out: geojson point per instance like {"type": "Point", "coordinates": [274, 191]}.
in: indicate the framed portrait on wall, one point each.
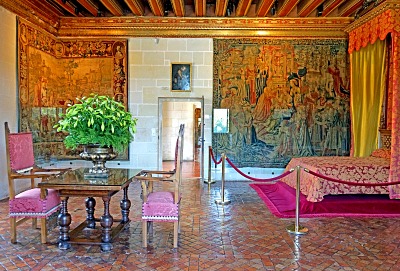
{"type": "Point", "coordinates": [181, 76]}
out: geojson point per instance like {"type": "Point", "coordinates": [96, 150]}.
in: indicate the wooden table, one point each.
{"type": "Point", "coordinates": [73, 183]}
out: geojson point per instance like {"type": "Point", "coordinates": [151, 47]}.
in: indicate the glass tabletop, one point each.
{"type": "Point", "coordinates": [77, 178]}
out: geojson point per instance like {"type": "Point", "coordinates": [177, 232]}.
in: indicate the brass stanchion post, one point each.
{"type": "Point", "coordinates": [296, 228]}
{"type": "Point", "coordinates": [209, 180]}
{"type": "Point", "coordinates": [223, 201]}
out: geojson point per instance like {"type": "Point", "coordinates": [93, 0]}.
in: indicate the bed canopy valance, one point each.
{"type": "Point", "coordinates": [380, 22]}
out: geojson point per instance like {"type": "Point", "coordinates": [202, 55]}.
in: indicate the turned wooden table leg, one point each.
{"type": "Point", "coordinates": [90, 220]}
{"type": "Point", "coordinates": [64, 220]}
{"type": "Point", "coordinates": [106, 222]}
{"type": "Point", "coordinates": [125, 205]}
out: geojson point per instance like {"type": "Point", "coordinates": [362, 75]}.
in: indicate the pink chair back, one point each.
{"type": "Point", "coordinates": [176, 152]}
{"type": "Point", "coordinates": [20, 146]}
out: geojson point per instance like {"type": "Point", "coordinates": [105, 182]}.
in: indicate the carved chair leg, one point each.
{"type": "Point", "coordinates": [43, 230]}
{"type": "Point", "coordinates": [150, 227]}
{"type": "Point", "coordinates": [176, 230]}
{"type": "Point", "coordinates": [144, 233]}
{"type": "Point", "coordinates": [34, 223]}
{"type": "Point", "coordinates": [13, 229]}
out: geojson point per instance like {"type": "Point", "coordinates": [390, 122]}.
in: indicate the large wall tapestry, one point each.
{"type": "Point", "coordinates": [286, 98]}
{"type": "Point", "coordinates": [53, 73]}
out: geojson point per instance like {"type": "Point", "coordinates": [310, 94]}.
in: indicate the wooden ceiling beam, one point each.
{"type": "Point", "coordinates": [287, 7]}
{"type": "Point", "coordinates": [263, 7]}
{"type": "Point", "coordinates": [113, 6]}
{"type": "Point", "coordinates": [90, 6]}
{"type": "Point", "coordinates": [331, 6]}
{"type": "Point", "coordinates": [308, 7]}
{"type": "Point", "coordinates": [45, 8]}
{"type": "Point", "coordinates": [350, 8]}
{"type": "Point", "coordinates": [156, 7]}
{"type": "Point", "coordinates": [67, 6]}
{"type": "Point", "coordinates": [200, 8]}
{"type": "Point", "coordinates": [54, 10]}
{"type": "Point", "coordinates": [243, 7]}
{"type": "Point", "coordinates": [220, 7]}
{"type": "Point", "coordinates": [136, 6]}
{"type": "Point", "coordinates": [179, 7]}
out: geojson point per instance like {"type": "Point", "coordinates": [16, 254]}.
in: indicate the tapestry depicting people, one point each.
{"type": "Point", "coordinates": [54, 73]}
{"type": "Point", "coordinates": [286, 98]}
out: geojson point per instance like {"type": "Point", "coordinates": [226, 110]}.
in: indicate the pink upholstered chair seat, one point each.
{"type": "Point", "coordinates": [160, 206]}
{"type": "Point", "coordinates": [29, 204]}
{"type": "Point", "coordinates": [162, 196]}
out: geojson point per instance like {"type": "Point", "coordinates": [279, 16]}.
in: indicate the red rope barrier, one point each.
{"type": "Point", "coordinates": [347, 182]}
{"type": "Point", "coordinates": [256, 179]}
{"type": "Point", "coordinates": [213, 158]}
{"type": "Point", "coordinates": [305, 169]}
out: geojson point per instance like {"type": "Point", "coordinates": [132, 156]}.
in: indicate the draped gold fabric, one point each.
{"type": "Point", "coordinates": [368, 85]}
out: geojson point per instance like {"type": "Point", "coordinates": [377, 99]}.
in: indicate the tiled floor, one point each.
{"type": "Point", "coordinates": [242, 235]}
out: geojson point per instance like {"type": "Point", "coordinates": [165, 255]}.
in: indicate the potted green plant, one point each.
{"type": "Point", "coordinates": [101, 125]}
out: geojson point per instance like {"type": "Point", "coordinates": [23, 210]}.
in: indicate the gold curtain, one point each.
{"type": "Point", "coordinates": [368, 85]}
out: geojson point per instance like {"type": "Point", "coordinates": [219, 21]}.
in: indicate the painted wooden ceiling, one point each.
{"type": "Point", "coordinates": [204, 8]}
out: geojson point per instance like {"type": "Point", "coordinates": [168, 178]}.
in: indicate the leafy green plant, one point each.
{"type": "Point", "coordinates": [97, 120]}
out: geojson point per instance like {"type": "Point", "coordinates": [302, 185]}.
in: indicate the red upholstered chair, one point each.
{"type": "Point", "coordinates": [162, 206]}
{"type": "Point", "coordinates": [28, 203]}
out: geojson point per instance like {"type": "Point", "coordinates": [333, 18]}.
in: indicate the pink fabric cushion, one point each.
{"type": "Point", "coordinates": [160, 206]}
{"type": "Point", "coordinates": [382, 153]}
{"type": "Point", "coordinates": [20, 146]}
{"type": "Point", "coordinates": [162, 196]}
{"type": "Point", "coordinates": [29, 204]}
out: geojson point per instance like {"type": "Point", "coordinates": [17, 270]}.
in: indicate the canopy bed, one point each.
{"type": "Point", "coordinates": [380, 24]}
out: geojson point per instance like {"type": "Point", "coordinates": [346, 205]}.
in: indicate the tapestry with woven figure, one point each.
{"type": "Point", "coordinates": [286, 98]}
{"type": "Point", "coordinates": [53, 73]}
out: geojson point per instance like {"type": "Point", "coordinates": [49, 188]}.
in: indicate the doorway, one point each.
{"type": "Point", "coordinates": [173, 112]}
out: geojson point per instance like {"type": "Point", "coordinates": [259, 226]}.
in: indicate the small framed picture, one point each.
{"type": "Point", "coordinates": [181, 76]}
{"type": "Point", "coordinates": [221, 121]}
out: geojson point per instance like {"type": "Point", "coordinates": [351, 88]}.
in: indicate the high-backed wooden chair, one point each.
{"type": "Point", "coordinates": [28, 203]}
{"type": "Point", "coordinates": [162, 206]}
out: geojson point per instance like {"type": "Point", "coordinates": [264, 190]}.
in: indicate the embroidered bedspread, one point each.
{"type": "Point", "coordinates": [352, 169]}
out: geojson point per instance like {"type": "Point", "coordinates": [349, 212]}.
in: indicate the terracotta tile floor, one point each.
{"type": "Point", "coordinates": [242, 235]}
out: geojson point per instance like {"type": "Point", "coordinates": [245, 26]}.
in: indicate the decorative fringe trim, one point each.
{"type": "Point", "coordinates": [173, 218]}
{"type": "Point", "coordinates": [36, 215]}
